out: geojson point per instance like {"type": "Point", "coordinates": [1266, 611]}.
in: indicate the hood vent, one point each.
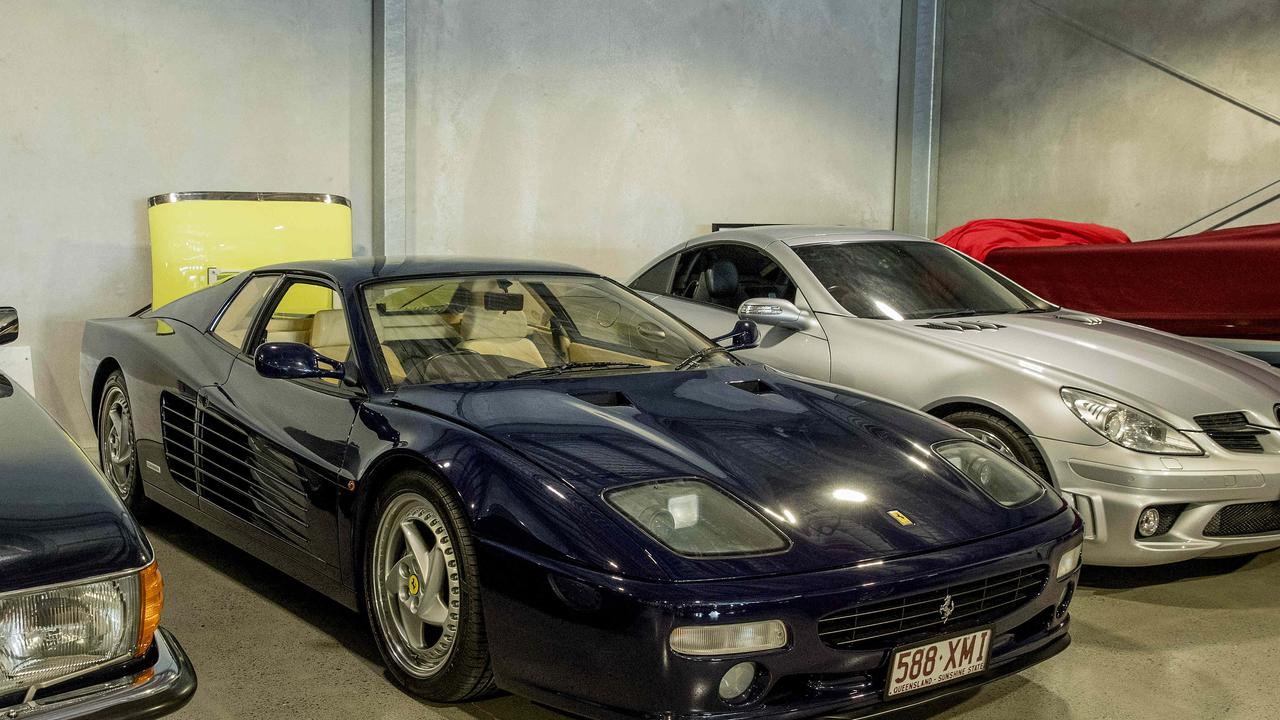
{"type": "Point", "coordinates": [755, 387]}
{"type": "Point", "coordinates": [1232, 431]}
{"type": "Point", "coordinates": [961, 325]}
{"type": "Point", "coordinates": [605, 398]}
{"type": "Point", "coordinates": [1082, 319]}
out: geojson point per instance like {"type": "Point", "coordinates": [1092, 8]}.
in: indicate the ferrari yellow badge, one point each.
{"type": "Point", "coordinates": [902, 519]}
{"type": "Point", "coordinates": [413, 585]}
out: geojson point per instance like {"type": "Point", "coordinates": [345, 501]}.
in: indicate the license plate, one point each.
{"type": "Point", "coordinates": [934, 663]}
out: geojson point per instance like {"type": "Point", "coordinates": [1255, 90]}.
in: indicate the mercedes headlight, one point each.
{"type": "Point", "coordinates": [1128, 426]}
{"type": "Point", "coordinates": [694, 519]}
{"type": "Point", "coordinates": [999, 477]}
{"type": "Point", "coordinates": [50, 634]}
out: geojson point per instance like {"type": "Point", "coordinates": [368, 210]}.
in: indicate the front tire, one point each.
{"type": "Point", "coordinates": [1003, 436]}
{"type": "Point", "coordinates": [117, 447]}
{"type": "Point", "coordinates": [422, 592]}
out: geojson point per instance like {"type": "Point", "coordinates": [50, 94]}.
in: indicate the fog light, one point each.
{"type": "Point", "coordinates": [737, 681]}
{"type": "Point", "coordinates": [729, 639]}
{"type": "Point", "coordinates": [1148, 522]}
{"type": "Point", "coordinates": [1069, 561]}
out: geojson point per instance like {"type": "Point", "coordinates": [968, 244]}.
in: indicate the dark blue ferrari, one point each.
{"type": "Point", "coordinates": [528, 477]}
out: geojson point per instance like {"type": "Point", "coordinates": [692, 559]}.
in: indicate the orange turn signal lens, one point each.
{"type": "Point", "coordinates": [151, 587]}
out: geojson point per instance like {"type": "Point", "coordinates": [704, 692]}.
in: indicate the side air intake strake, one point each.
{"type": "Point", "coordinates": [1232, 431]}
{"type": "Point", "coordinates": [961, 325]}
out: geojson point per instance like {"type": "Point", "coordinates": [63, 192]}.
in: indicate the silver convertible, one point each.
{"type": "Point", "coordinates": [1168, 448]}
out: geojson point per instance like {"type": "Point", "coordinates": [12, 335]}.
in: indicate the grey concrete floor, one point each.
{"type": "Point", "coordinates": [1197, 640]}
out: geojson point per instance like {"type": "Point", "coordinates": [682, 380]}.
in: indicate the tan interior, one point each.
{"type": "Point", "coordinates": [499, 333]}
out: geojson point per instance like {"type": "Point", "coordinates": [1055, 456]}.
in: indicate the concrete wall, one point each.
{"type": "Point", "coordinates": [1039, 118]}
{"type": "Point", "coordinates": [106, 104]}
{"type": "Point", "coordinates": [601, 133]}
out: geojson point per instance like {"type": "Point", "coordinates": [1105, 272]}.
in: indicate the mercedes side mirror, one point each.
{"type": "Point", "coordinates": [775, 312]}
{"type": "Point", "coordinates": [295, 361]}
{"type": "Point", "coordinates": [745, 336]}
{"type": "Point", "coordinates": [8, 325]}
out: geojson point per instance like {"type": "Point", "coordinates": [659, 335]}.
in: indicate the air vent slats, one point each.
{"type": "Point", "coordinates": [1232, 431]}
{"type": "Point", "coordinates": [961, 325]}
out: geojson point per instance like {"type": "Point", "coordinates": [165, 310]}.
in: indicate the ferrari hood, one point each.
{"type": "Point", "coordinates": [1149, 369]}
{"type": "Point", "coordinates": [827, 468]}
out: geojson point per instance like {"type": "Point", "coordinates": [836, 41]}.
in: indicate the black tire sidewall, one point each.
{"type": "Point", "coordinates": [136, 501]}
{"type": "Point", "coordinates": [467, 673]}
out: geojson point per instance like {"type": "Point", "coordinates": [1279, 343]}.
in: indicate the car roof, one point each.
{"type": "Point", "coordinates": [795, 235]}
{"type": "Point", "coordinates": [349, 271]}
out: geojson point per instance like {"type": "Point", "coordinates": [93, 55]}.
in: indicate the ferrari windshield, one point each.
{"type": "Point", "coordinates": [912, 280]}
{"type": "Point", "coordinates": [496, 327]}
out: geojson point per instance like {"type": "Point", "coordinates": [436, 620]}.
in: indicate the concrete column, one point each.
{"type": "Point", "coordinates": [390, 176]}
{"type": "Point", "coordinates": [919, 92]}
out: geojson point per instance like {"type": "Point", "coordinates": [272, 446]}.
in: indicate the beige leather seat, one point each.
{"type": "Point", "coordinates": [288, 329]}
{"type": "Point", "coordinates": [329, 337]}
{"type": "Point", "coordinates": [490, 332]}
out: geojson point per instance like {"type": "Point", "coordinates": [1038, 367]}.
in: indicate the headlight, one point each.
{"type": "Point", "coordinates": [729, 639]}
{"type": "Point", "coordinates": [1070, 560]}
{"type": "Point", "coordinates": [1004, 480]}
{"type": "Point", "coordinates": [695, 519]}
{"type": "Point", "coordinates": [53, 633]}
{"type": "Point", "coordinates": [1128, 426]}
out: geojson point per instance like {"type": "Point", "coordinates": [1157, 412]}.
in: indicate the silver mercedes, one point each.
{"type": "Point", "coordinates": [1168, 448]}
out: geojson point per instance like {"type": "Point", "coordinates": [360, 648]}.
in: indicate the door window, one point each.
{"type": "Point", "coordinates": [726, 275]}
{"type": "Point", "coordinates": [311, 314]}
{"type": "Point", "coordinates": [236, 320]}
{"type": "Point", "coordinates": [657, 279]}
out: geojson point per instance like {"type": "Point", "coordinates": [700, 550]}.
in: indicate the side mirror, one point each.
{"type": "Point", "coordinates": [8, 325]}
{"type": "Point", "coordinates": [775, 312]}
{"type": "Point", "coordinates": [745, 336]}
{"type": "Point", "coordinates": [294, 361]}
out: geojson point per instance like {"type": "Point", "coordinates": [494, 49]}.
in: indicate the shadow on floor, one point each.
{"type": "Point", "coordinates": [1127, 578]}
{"type": "Point", "coordinates": [345, 626]}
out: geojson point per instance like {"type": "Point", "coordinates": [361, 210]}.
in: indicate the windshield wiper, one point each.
{"type": "Point", "coordinates": [952, 313]}
{"type": "Point", "coordinates": [699, 356]}
{"type": "Point", "coordinates": [571, 366]}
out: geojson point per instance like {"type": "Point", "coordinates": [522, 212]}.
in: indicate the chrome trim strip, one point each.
{"type": "Point", "coordinates": [96, 578]}
{"type": "Point", "coordinates": [328, 198]}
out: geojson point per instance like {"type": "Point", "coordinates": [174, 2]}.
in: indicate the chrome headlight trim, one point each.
{"type": "Point", "coordinates": [127, 644]}
{"type": "Point", "coordinates": [1130, 420]}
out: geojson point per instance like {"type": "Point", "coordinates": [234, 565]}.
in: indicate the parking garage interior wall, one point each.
{"type": "Point", "coordinates": [106, 104]}
{"type": "Point", "coordinates": [1156, 118]}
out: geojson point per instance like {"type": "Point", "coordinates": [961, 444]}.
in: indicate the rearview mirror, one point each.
{"type": "Point", "coordinates": [295, 361]}
{"type": "Point", "coordinates": [8, 325]}
{"type": "Point", "coordinates": [745, 336]}
{"type": "Point", "coordinates": [775, 312]}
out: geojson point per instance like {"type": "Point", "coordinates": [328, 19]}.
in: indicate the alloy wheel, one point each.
{"type": "Point", "coordinates": [116, 441]}
{"type": "Point", "coordinates": [416, 585]}
{"type": "Point", "coordinates": [990, 439]}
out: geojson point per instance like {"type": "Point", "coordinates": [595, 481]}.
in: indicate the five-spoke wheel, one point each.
{"type": "Point", "coordinates": [421, 590]}
{"type": "Point", "coordinates": [117, 452]}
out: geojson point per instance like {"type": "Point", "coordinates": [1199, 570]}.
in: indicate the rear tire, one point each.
{"type": "Point", "coordinates": [1003, 436]}
{"type": "Point", "coordinates": [117, 445]}
{"type": "Point", "coordinates": [422, 591]}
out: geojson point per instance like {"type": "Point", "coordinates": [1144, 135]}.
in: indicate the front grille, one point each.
{"type": "Point", "coordinates": [1245, 519]}
{"type": "Point", "coordinates": [1232, 431]}
{"type": "Point", "coordinates": [884, 624]}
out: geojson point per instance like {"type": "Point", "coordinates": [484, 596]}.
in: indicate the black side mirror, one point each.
{"type": "Point", "coordinates": [8, 325]}
{"type": "Point", "coordinates": [745, 336]}
{"type": "Point", "coordinates": [295, 361]}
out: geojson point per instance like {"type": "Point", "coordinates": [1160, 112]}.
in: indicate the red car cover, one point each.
{"type": "Point", "coordinates": [977, 238]}
{"type": "Point", "coordinates": [1222, 284]}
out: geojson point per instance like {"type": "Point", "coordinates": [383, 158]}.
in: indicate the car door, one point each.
{"type": "Point", "coordinates": [705, 285]}
{"type": "Point", "coordinates": [273, 450]}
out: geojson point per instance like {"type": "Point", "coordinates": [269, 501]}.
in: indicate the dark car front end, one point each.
{"type": "Point", "coordinates": [80, 592]}
{"type": "Point", "coordinates": [611, 637]}
{"type": "Point", "coordinates": [889, 546]}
